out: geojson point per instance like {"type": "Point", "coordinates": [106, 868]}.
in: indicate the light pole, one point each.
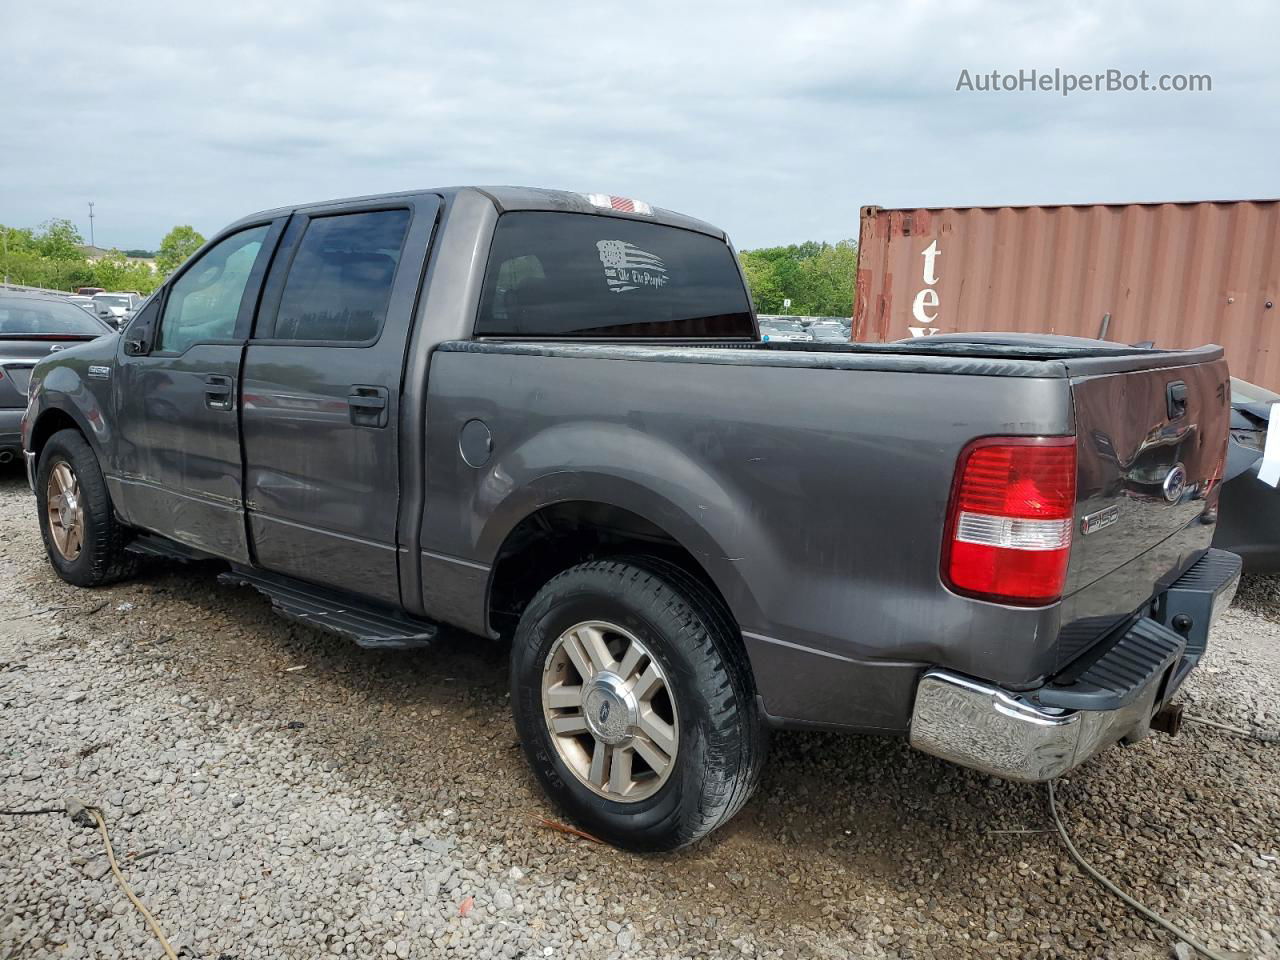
{"type": "Point", "coordinates": [91, 243]}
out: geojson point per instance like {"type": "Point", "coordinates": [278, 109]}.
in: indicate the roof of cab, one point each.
{"type": "Point", "coordinates": [514, 198]}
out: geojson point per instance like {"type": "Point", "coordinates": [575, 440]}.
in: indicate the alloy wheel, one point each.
{"type": "Point", "coordinates": [66, 515]}
{"type": "Point", "coordinates": [610, 711]}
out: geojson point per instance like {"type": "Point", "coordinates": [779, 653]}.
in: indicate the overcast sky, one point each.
{"type": "Point", "coordinates": [776, 121]}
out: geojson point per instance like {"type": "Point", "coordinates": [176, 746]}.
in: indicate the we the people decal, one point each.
{"type": "Point", "coordinates": [627, 267]}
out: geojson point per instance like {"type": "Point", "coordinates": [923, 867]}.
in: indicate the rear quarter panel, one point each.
{"type": "Point", "coordinates": [814, 499]}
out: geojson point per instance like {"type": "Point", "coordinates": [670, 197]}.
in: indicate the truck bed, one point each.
{"type": "Point", "coordinates": [815, 501]}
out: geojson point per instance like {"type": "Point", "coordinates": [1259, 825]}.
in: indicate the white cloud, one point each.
{"type": "Point", "coordinates": [774, 121]}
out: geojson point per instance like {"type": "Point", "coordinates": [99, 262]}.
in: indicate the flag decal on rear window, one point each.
{"type": "Point", "coordinates": [627, 267]}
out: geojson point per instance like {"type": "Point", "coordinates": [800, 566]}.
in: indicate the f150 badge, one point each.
{"type": "Point", "coordinates": [99, 373]}
{"type": "Point", "coordinates": [1093, 522]}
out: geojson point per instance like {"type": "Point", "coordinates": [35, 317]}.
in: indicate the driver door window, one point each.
{"type": "Point", "coordinates": [204, 302]}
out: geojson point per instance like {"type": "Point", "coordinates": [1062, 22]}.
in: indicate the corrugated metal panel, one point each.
{"type": "Point", "coordinates": [1181, 274]}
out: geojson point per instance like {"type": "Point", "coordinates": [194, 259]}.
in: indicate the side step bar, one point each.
{"type": "Point", "coordinates": [155, 546]}
{"type": "Point", "coordinates": [371, 626]}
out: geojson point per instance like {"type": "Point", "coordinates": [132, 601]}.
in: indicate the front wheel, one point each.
{"type": "Point", "coordinates": [634, 703]}
{"type": "Point", "coordinates": [84, 540]}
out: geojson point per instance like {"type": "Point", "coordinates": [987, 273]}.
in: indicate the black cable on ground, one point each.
{"type": "Point", "coordinates": [1150, 914]}
{"type": "Point", "coordinates": [85, 814]}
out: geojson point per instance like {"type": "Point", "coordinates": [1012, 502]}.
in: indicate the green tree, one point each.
{"type": "Point", "coordinates": [818, 278]}
{"type": "Point", "coordinates": [59, 240]}
{"type": "Point", "coordinates": [178, 244]}
{"type": "Point", "coordinates": [115, 271]}
{"type": "Point", "coordinates": [46, 257]}
{"type": "Point", "coordinates": [51, 257]}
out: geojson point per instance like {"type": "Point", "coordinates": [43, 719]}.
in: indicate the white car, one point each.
{"type": "Point", "coordinates": [115, 308]}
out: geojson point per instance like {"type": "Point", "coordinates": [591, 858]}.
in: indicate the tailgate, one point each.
{"type": "Point", "coordinates": [1152, 441]}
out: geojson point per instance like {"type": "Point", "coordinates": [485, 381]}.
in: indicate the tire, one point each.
{"type": "Point", "coordinates": [100, 558]}
{"type": "Point", "coordinates": [689, 638]}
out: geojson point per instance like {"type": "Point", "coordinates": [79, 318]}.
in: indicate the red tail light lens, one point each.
{"type": "Point", "coordinates": [1010, 518]}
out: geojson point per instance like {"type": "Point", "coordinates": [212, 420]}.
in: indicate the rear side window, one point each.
{"type": "Point", "coordinates": [339, 283]}
{"type": "Point", "coordinates": [577, 275]}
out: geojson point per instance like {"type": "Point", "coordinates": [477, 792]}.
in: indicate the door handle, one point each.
{"type": "Point", "coordinates": [368, 406]}
{"type": "Point", "coordinates": [218, 392]}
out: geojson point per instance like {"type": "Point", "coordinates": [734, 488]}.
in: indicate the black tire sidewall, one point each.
{"type": "Point", "coordinates": [653, 823]}
{"type": "Point", "coordinates": [69, 447]}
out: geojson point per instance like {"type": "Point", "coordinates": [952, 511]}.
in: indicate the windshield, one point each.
{"type": "Point", "coordinates": [30, 317]}
{"type": "Point", "coordinates": [114, 300]}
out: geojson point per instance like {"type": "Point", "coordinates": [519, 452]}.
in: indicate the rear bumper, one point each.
{"type": "Point", "coordinates": [1112, 695]}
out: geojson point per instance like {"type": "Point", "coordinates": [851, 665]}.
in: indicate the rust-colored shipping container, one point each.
{"type": "Point", "coordinates": [1180, 274]}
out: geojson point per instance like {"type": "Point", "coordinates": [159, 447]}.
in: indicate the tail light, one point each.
{"type": "Point", "coordinates": [1010, 518]}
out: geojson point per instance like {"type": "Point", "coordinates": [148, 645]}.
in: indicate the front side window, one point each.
{"type": "Point", "coordinates": [339, 283]}
{"type": "Point", "coordinates": [579, 275]}
{"type": "Point", "coordinates": [205, 301]}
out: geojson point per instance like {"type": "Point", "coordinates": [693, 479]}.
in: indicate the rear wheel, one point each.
{"type": "Point", "coordinates": [634, 703]}
{"type": "Point", "coordinates": [82, 537]}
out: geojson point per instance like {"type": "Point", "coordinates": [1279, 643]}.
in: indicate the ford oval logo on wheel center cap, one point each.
{"type": "Point", "coordinates": [1175, 482]}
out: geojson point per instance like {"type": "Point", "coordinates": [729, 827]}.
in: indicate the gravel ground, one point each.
{"type": "Point", "coordinates": [274, 792]}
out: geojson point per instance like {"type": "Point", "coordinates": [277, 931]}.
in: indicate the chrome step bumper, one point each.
{"type": "Point", "coordinates": [984, 727]}
{"type": "Point", "coordinates": [1112, 695]}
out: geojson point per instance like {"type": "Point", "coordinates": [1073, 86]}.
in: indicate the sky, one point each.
{"type": "Point", "coordinates": [774, 121]}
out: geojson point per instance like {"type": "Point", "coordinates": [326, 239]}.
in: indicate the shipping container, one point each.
{"type": "Point", "coordinates": [1178, 274]}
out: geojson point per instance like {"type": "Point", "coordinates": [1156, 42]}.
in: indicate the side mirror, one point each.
{"type": "Point", "coordinates": [136, 346]}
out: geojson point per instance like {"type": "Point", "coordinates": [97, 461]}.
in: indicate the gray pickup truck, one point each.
{"type": "Point", "coordinates": [550, 417]}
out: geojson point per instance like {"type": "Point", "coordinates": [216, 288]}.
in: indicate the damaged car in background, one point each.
{"type": "Point", "coordinates": [1249, 515]}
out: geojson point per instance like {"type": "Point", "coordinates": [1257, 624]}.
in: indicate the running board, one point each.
{"type": "Point", "coordinates": [153, 545]}
{"type": "Point", "coordinates": [371, 626]}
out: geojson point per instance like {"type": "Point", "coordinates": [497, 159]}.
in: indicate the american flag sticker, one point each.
{"type": "Point", "coordinates": [627, 267]}
{"type": "Point", "coordinates": [622, 204]}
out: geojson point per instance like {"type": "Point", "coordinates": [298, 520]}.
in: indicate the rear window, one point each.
{"type": "Point", "coordinates": [22, 317]}
{"type": "Point", "coordinates": [577, 275]}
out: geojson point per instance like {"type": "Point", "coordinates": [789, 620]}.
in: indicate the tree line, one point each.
{"type": "Point", "coordinates": [817, 278]}
{"type": "Point", "coordinates": [52, 256]}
